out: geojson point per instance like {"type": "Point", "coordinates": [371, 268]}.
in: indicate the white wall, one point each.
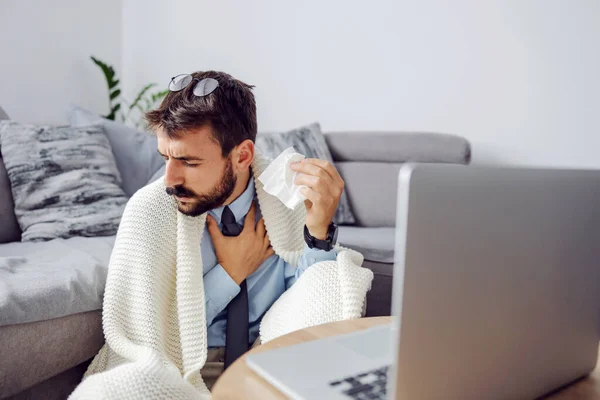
{"type": "Point", "coordinates": [44, 56]}
{"type": "Point", "coordinates": [519, 79]}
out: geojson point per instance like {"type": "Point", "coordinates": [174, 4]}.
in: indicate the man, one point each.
{"type": "Point", "coordinates": [193, 274]}
{"type": "Point", "coordinates": [206, 128]}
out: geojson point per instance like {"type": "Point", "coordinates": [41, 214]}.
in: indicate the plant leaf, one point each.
{"type": "Point", "coordinates": [109, 72]}
{"type": "Point", "coordinates": [141, 94]}
{"type": "Point", "coordinates": [115, 94]}
{"type": "Point", "coordinates": [113, 112]}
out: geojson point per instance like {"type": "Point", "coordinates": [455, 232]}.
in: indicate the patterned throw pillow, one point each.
{"type": "Point", "coordinates": [64, 180]}
{"type": "Point", "coordinates": [307, 140]}
{"type": "Point", "coordinates": [135, 152]}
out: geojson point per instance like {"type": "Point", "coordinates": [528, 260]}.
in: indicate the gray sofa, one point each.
{"type": "Point", "coordinates": [46, 356]}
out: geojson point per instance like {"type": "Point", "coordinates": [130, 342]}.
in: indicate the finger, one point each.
{"type": "Point", "coordinates": [327, 166]}
{"type": "Point", "coordinates": [319, 203]}
{"type": "Point", "coordinates": [311, 195]}
{"type": "Point", "coordinates": [309, 168]}
{"type": "Point", "coordinates": [328, 175]}
{"type": "Point", "coordinates": [266, 241]}
{"type": "Point", "coordinates": [249, 220]}
{"type": "Point", "coordinates": [260, 228]}
{"type": "Point", "coordinates": [321, 185]}
{"type": "Point", "coordinates": [213, 228]}
{"type": "Point", "coordinates": [305, 165]}
{"type": "Point", "coordinates": [337, 188]}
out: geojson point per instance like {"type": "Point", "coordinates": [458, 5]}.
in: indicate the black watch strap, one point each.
{"type": "Point", "coordinates": [326, 244]}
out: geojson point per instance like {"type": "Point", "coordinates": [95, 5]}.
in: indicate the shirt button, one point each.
{"type": "Point", "coordinates": [313, 260]}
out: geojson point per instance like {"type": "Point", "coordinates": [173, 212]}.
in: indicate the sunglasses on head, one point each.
{"type": "Point", "coordinates": [204, 86]}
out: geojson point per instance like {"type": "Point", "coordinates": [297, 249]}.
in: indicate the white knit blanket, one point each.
{"type": "Point", "coordinates": [154, 319]}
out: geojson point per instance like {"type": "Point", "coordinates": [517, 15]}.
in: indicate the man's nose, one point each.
{"type": "Point", "coordinates": [173, 174]}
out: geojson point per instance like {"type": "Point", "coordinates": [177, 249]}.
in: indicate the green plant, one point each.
{"type": "Point", "coordinates": [118, 106]}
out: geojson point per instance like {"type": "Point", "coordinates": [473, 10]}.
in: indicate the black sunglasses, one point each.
{"type": "Point", "coordinates": [204, 86]}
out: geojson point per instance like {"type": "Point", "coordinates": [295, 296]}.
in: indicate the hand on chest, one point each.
{"type": "Point", "coordinates": [232, 237]}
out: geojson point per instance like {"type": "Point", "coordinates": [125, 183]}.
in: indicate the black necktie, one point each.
{"type": "Point", "coordinates": [237, 331]}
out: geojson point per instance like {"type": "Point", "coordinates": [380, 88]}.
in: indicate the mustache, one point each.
{"type": "Point", "coordinates": [180, 191]}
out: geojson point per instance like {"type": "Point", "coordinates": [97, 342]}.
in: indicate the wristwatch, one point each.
{"type": "Point", "coordinates": [327, 244]}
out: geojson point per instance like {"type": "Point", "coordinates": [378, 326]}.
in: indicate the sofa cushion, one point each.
{"type": "Point", "coordinates": [372, 189]}
{"type": "Point", "coordinates": [34, 352]}
{"type": "Point", "coordinates": [45, 280]}
{"type": "Point", "coordinates": [64, 180]}
{"type": "Point", "coordinates": [307, 140]}
{"type": "Point", "coordinates": [375, 244]}
{"type": "Point", "coordinates": [135, 152]}
{"type": "Point", "coordinates": [399, 147]}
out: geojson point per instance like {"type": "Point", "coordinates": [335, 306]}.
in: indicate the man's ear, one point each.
{"type": "Point", "coordinates": [243, 155]}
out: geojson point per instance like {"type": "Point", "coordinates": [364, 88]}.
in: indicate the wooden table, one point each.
{"type": "Point", "coordinates": [240, 382]}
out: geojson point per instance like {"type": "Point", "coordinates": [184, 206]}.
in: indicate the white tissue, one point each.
{"type": "Point", "coordinates": [278, 178]}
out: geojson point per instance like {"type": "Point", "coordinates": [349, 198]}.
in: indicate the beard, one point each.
{"type": "Point", "coordinates": [205, 202]}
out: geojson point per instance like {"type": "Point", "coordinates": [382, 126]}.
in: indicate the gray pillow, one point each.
{"type": "Point", "coordinates": [135, 152]}
{"type": "Point", "coordinates": [64, 180]}
{"type": "Point", "coordinates": [307, 140]}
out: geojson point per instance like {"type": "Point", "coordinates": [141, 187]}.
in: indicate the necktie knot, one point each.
{"type": "Point", "coordinates": [229, 225]}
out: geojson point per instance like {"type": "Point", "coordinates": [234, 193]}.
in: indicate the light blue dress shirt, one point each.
{"type": "Point", "coordinates": [265, 285]}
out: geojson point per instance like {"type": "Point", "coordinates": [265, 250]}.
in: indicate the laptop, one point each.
{"type": "Point", "coordinates": [496, 293]}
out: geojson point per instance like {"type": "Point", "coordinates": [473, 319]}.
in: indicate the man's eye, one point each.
{"type": "Point", "coordinates": [187, 164]}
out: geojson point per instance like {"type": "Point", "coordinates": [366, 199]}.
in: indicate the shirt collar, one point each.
{"type": "Point", "coordinates": [239, 206]}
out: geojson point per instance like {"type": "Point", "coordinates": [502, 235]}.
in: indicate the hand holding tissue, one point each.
{"type": "Point", "coordinates": [278, 178]}
{"type": "Point", "coordinates": [314, 180]}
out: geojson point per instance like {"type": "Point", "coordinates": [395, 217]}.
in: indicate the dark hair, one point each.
{"type": "Point", "coordinates": [230, 111]}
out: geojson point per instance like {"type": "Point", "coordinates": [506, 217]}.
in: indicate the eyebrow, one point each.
{"type": "Point", "coordinates": [184, 158]}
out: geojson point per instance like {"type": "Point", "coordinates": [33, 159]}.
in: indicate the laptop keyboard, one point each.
{"type": "Point", "coordinates": [365, 386]}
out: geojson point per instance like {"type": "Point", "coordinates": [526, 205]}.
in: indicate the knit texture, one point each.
{"type": "Point", "coordinates": [153, 315]}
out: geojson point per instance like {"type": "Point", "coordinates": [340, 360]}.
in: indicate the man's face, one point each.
{"type": "Point", "coordinates": [196, 174]}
